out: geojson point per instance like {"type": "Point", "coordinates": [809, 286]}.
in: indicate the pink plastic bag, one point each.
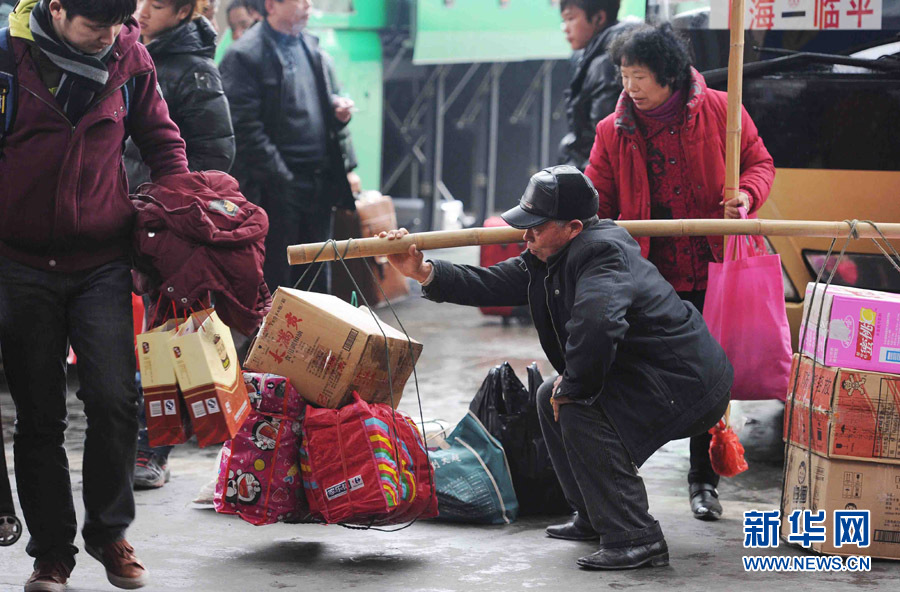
{"type": "Point", "coordinates": [745, 312]}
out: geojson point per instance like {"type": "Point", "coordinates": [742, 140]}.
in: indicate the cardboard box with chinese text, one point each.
{"type": "Point", "coordinates": [857, 329]}
{"type": "Point", "coordinates": [328, 349]}
{"type": "Point", "coordinates": [855, 414]}
{"type": "Point", "coordinates": [846, 486]}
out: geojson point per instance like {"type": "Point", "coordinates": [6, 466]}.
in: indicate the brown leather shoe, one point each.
{"type": "Point", "coordinates": [123, 569]}
{"type": "Point", "coordinates": [48, 576]}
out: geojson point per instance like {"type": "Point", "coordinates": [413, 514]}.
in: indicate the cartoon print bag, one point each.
{"type": "Point", "coordinates": [259, 473]}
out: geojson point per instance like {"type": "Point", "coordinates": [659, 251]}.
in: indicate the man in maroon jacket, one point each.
{"type": "Point", "coordinates": [84, 85]}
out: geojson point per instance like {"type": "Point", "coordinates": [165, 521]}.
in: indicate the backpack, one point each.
{"type": "Point", "coordinates": [9, 88]}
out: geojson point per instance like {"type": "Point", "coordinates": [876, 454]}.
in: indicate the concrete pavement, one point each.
{"type": "Point", "coordinates": [187, 548]}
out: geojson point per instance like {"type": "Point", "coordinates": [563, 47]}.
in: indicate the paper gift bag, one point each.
{"type": "Point", "coordinates": [168, 422]}
{"type": "Point", "coordinates": [209, 375]}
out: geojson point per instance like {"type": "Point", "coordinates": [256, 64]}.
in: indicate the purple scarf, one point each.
{"type": "Point", "coordinates": [669, 111]}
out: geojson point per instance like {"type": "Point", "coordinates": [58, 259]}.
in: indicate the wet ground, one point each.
{"type": "Point", "coordinates": [189, 547]}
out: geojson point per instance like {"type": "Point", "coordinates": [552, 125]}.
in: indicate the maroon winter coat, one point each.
{"type": "Point", "coordinates": [618, 162]}
{"type": "Point", "coordinates": [63, 193]}
{"type": "Point", "coordinates": [206, 238]}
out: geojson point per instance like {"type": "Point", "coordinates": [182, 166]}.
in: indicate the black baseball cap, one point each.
{"type": "Point", "coordinates": [556, 193]}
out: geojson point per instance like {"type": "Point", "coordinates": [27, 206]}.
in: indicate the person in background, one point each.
{"type": "Point", "coordinates": [661, 155]}
{"type": "Point", "coordinates": [208, 9]}
{"type": "Point", "coordinates": [65, 270]}
{"type": "Point", "coordinates": [181, 43]}
{"type": "Point", "coordinates": [287, 119]}
{"type": "Point", "coordinates": [589, 26]}
{"type": "Point", "coordinates": [240, 18]}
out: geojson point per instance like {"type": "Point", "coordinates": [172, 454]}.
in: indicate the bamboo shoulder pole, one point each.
{"type": "Point", "coordinates": [372, 247]}
{"type": "Point", "coordinates": [735, 98]}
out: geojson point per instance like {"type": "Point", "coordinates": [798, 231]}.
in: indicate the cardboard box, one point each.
{"type": "Point", "coordinates": [858, 329]}
{"type": "Point", "coordinates": [845, 485]}
{"type": "Point", "coordinates": [209, 375]}
{"type": "Point", "coordinates": [168, 422]}
{"type": "Point", "coordinates": [328, 349]}
{"type": "Point", "coordinates": [855, 414]}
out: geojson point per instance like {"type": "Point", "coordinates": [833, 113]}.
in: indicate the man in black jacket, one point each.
{"type": "Point", "coordinates": [589, 26]}
{"type": "Point", "coordinates": [287, 119]}
{"type": "Point", "coordinates": [637, 366]}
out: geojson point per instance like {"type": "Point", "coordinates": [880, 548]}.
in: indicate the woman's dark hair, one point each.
{"type": "Point", "coordinates": [105, 12]}
{"type": "Point", "coordinates": [658, 48]}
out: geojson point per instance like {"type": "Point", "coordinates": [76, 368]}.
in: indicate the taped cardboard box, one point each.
{"type": "Point", "coordinates": [855, 414]}
{"type": "Point", "coordinates": [858, 328]}
{"type": "Point", "coordinates": [328, 349]}
{"type": "Point", "coordinates": [209, 375]}
{"type": "Point", "coordinates": [168, 422]}
{"type": "Point", "coordinates": [845, 485]}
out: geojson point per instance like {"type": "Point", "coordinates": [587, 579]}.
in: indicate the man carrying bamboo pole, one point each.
{"type": "Point", "coordinates": [637, 366]}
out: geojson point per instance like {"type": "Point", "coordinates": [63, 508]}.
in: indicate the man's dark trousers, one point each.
{"type": "Point", "coordinates": [40, 314]}
{"type": "Point", "coordinates": [596, 472]}
{"type": "Point", "coordinates": [297, 216]}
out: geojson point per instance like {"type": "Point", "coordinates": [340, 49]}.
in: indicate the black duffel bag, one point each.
{"type": "Point", "coordinates": [509, 412]}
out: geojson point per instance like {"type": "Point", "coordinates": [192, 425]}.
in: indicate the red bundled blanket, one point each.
{"type": "Point", "coordinates": [365, 464]}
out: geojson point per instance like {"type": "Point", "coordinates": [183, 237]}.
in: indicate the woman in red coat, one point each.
{"type": "Point", "coordinates": [661, 155]}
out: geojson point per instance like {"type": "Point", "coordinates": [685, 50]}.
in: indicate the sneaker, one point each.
{"type": "Point", "coordinates": [123, 569]}
{"type": "Point", "coordinates": [150, 471]}
{"type": "Point", "coordinates": [48, 576]}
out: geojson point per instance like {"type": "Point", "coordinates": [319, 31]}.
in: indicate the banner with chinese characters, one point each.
{"type": "Point", "coordinates": [801, 14]}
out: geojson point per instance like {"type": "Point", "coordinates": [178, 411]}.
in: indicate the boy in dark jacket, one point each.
{"type": "Point", "coordinates": [589, 26]}
{"type": "Point", "coordinates": [65, 273]}
{"type": "Point", "coordinates": [182, 45]}
{"type": "Point", "coordinates": [637, 366]}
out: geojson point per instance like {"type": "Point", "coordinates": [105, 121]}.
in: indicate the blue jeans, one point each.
{"type": "Point", "coordinates": [40, 314]}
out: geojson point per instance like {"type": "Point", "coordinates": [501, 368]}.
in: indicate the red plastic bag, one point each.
{"type": "Point", "coordinates": [745, 312]}
{"type": "Point", "coordinates": [726, 452]}
{"type": "Point", "coordinates": [365, 464]}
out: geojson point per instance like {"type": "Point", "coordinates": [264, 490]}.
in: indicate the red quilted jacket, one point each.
{"type": "Point", "coordinates": [618, 162]}
{"type": "Point", "coordinates": [207, 238]}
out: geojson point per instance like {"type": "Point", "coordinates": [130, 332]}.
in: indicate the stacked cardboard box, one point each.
{"type": "Point", "coordinates": [843, 419]}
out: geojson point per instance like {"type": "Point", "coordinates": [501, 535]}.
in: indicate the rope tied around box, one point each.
{"type": "Point", "coordinates": [340, 256]}
{"type": "Point", "coordinates": [891, 254]}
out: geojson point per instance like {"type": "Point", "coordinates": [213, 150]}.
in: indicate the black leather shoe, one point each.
{"type": "Point", "coordinates": [705, 502]}
{"type": "Point", "coordinates": [576, 530]}
{"type": "Point", "coordinates": [655, 555]}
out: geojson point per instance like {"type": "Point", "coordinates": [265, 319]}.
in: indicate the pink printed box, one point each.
{"type": "Point", "coordinates": [859, 329]}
